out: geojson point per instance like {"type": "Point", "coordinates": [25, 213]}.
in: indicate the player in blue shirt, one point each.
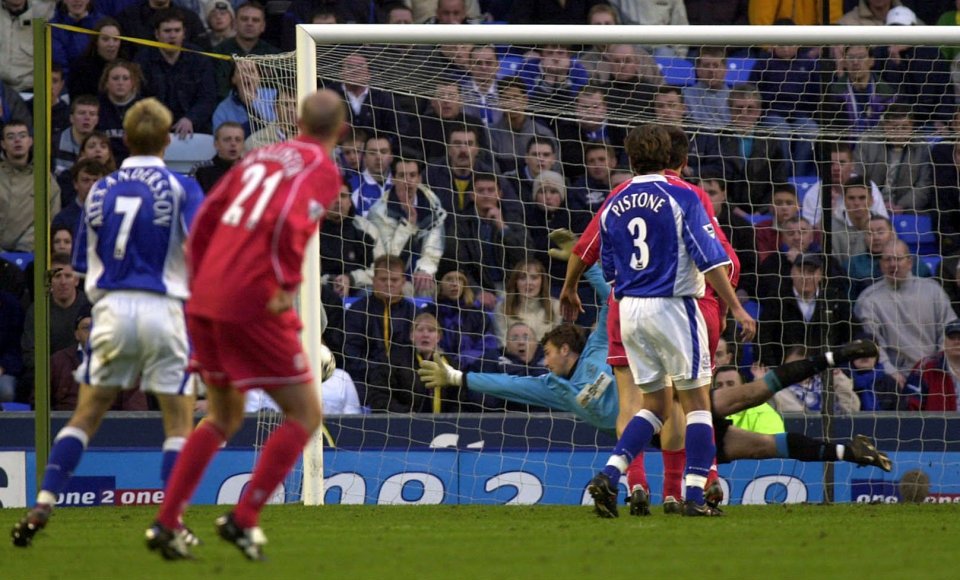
{"type": "Point", "coordinates": [658, 248]}
{"type": "Point", "coordinates": [131, 246]}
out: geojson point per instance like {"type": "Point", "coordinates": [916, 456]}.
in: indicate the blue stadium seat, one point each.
{"type": "Point", "coordinates": [20, 259]}
{"type": "Point", "coordinates": [932, 261]}
{"type": "Point", "coordinates": [803, 185]}
{"type": "Point", "coordinates": [916, 230]}
{"type": "Point", "coordinates": [676, 71]}
{"type": "Point", "coordinates": [11, 406]}
{"type": "Point", "coordinates": [739, 69]}
{"type": "Point", "coordinates": [183, 154]}
{"type": "Point", "coordinates": [510, 65]}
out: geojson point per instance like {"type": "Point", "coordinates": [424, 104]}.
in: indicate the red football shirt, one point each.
{"type": "Point", "coordinates": [250, 234]}
{"type": "Point", "coordinates": [588, 246]}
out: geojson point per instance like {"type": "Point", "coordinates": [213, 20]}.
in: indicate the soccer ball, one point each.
{"type": "Point", "coordinates": [914, 486]}
{"type": "Point", "coordinates": [327, 363]}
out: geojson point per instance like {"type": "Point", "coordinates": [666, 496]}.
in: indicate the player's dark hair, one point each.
{"type": "Point", "coordinates": [679, 147]}
{"type": "Point", "coordinates": [648, 148]}
{"type": "Point", "coordinates": [566, 334]}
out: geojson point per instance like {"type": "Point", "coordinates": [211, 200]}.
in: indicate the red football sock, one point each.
{"type": "Point", "coordinates": [636, 474]}
{"type": "Point", "coordinates": [197, 452]}
{"type": "Point", "coordinates": [674, 463]}
{"type": "Point", "coordinates": [279, 454]}
{"type": "Point", "coordinates": [713, 475]}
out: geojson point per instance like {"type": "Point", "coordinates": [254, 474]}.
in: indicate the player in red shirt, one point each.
{"type": "Point", "coordinates": [585, 253]}
{"type": "Point", "coordinates": [246, 255]}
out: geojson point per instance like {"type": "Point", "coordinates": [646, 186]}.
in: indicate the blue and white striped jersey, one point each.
{"type": "Point", "coordinates": [656, 240]}
{"type": "Point", "coordinates": [134, 227]}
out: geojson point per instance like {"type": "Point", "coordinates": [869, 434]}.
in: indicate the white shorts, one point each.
{"type": "Point", "coordinates": [665, 338]}
{"type": "Point", "coordinates": [137, 335]}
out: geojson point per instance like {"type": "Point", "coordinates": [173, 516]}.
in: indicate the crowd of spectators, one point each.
{"type": "Point", "coordinates": [437, 246]}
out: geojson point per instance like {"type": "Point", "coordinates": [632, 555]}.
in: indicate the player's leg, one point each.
{"type": "Point", "coordinates": [741, 444]}
{"type": "Point", "coordinates": [302, 416]}
{"type": "Point", "coordinates": [674, 458]}
{"type": "Point", "coordinates": [224, 418]}
{"type": "Point", "coordinates": [65, 455]}
{"type": "Point", "coordinates": [631, 401]}
{"type": "Point", "coordinates": [636, 435]}
{"type": "Point", "coordinates": [178, 420]}
{"type": "Point", "coordinates": [734, 399]}
{"type": "Point", "coordinates": [700, 445]}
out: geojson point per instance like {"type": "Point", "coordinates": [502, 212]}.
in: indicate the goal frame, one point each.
{"type": "Point", "coordinates": [309, 36]}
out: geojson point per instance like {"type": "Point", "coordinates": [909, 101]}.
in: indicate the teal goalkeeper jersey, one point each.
{"type": "Point", "coordinates": [590, 392]}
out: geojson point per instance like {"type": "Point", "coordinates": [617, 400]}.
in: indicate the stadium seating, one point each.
{"type": "Point", "coordinates": [20, 259]}
{"type": "Point", "coordinates": [739, 69]}
{"type": "Point", "coordinates": [183, 154]}
{"type": "Point", "coordinates": [916, 230]}
{"type": "Point", "coordinates": [676, 71]}
{"type": "Point", "coordinates": [803, 183]}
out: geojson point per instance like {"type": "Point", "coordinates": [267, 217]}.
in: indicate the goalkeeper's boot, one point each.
{"type": "Point", "coordinates": [172, 544]}
{"type": "Point", "coordinates": [693, 509]}
{"type": "Point", "coordinates": [866, 453]}
{"type": "Point", "coordinates": [249, 541]}
{"type": "Point", "coordinates": [639, 501]}
{"type": "Point", "coordinates": [35, 520]}
{"type": "Point", "coordinates": [671, 506]}
{"type": "Point", "coordinates": [713, 495]}
{"type": "Point", "coordinates": [604, 495]}
{"type": "Point", "coordinates": [854, 350]}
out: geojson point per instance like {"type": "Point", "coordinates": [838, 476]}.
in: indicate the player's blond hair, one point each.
{"type": "Point", "coordinates": [146, 127]}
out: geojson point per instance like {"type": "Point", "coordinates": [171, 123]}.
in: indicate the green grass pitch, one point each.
{"type": "Point", "coordinates": [508, 542]}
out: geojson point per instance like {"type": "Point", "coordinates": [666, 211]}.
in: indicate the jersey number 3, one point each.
{"type": "Point", "coordinates": [255, 179]}
{"type": "Point", "coordinates": [638, 229]}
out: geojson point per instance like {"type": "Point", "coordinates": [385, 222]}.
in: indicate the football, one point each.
{"type": "Point", "coordinates": [914, 486]}
{"type": "Point", "coordinates": [327, 363]}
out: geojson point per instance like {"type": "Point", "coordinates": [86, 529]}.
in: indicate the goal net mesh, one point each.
{"type": "Point", "coordinates": [814, 159]}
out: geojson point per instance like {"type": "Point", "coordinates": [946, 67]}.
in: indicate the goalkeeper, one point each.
{"type": "Point", "coordinates": [581, 382]}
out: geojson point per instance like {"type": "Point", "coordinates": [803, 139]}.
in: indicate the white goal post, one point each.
{"type": "Point", "coordinates": [310, 37]}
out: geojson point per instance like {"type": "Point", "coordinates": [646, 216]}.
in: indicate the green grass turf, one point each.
{"type": "Point", "coordinates": [507, 542]}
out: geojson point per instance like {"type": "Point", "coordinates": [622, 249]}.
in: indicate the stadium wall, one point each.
{"type": "Point", "coordinates": [475, 459]}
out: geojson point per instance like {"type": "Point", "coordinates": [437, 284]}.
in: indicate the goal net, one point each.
{"type": "Point", "coordinates": [829, 156]}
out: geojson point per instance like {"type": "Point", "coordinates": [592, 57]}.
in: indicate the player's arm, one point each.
{"type": "Point", "coordinates": [527, 390]}
{"type": "Point", "coordinates": [702, 246]}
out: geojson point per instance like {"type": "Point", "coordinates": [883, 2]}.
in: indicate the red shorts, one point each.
{"type": "Point", "coordinates": [261, 353]}
{"type": "Point", "coordinates": [617, 356]}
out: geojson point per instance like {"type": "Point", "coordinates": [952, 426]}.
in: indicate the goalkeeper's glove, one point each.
{"type": "Point", "coordinates": [564, 239]}
{"type": "Point", "coordinates": [437, 373]}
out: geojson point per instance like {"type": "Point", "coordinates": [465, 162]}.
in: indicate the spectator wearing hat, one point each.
{"type": "Point", "coordinates": [917, 73]}
{"type": "Point", "coordinates": [932, 386]}
{"type": "Point", "coordinates": [903, 314]}
{"type": "Point", "coordinates": [805, 313]}
{"type": "Point", "coordinates": [221, 24]}
{"type": "Point", "coordinates": [547, 212]}
{"type": "Point", "coordinates": [872, 13]}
